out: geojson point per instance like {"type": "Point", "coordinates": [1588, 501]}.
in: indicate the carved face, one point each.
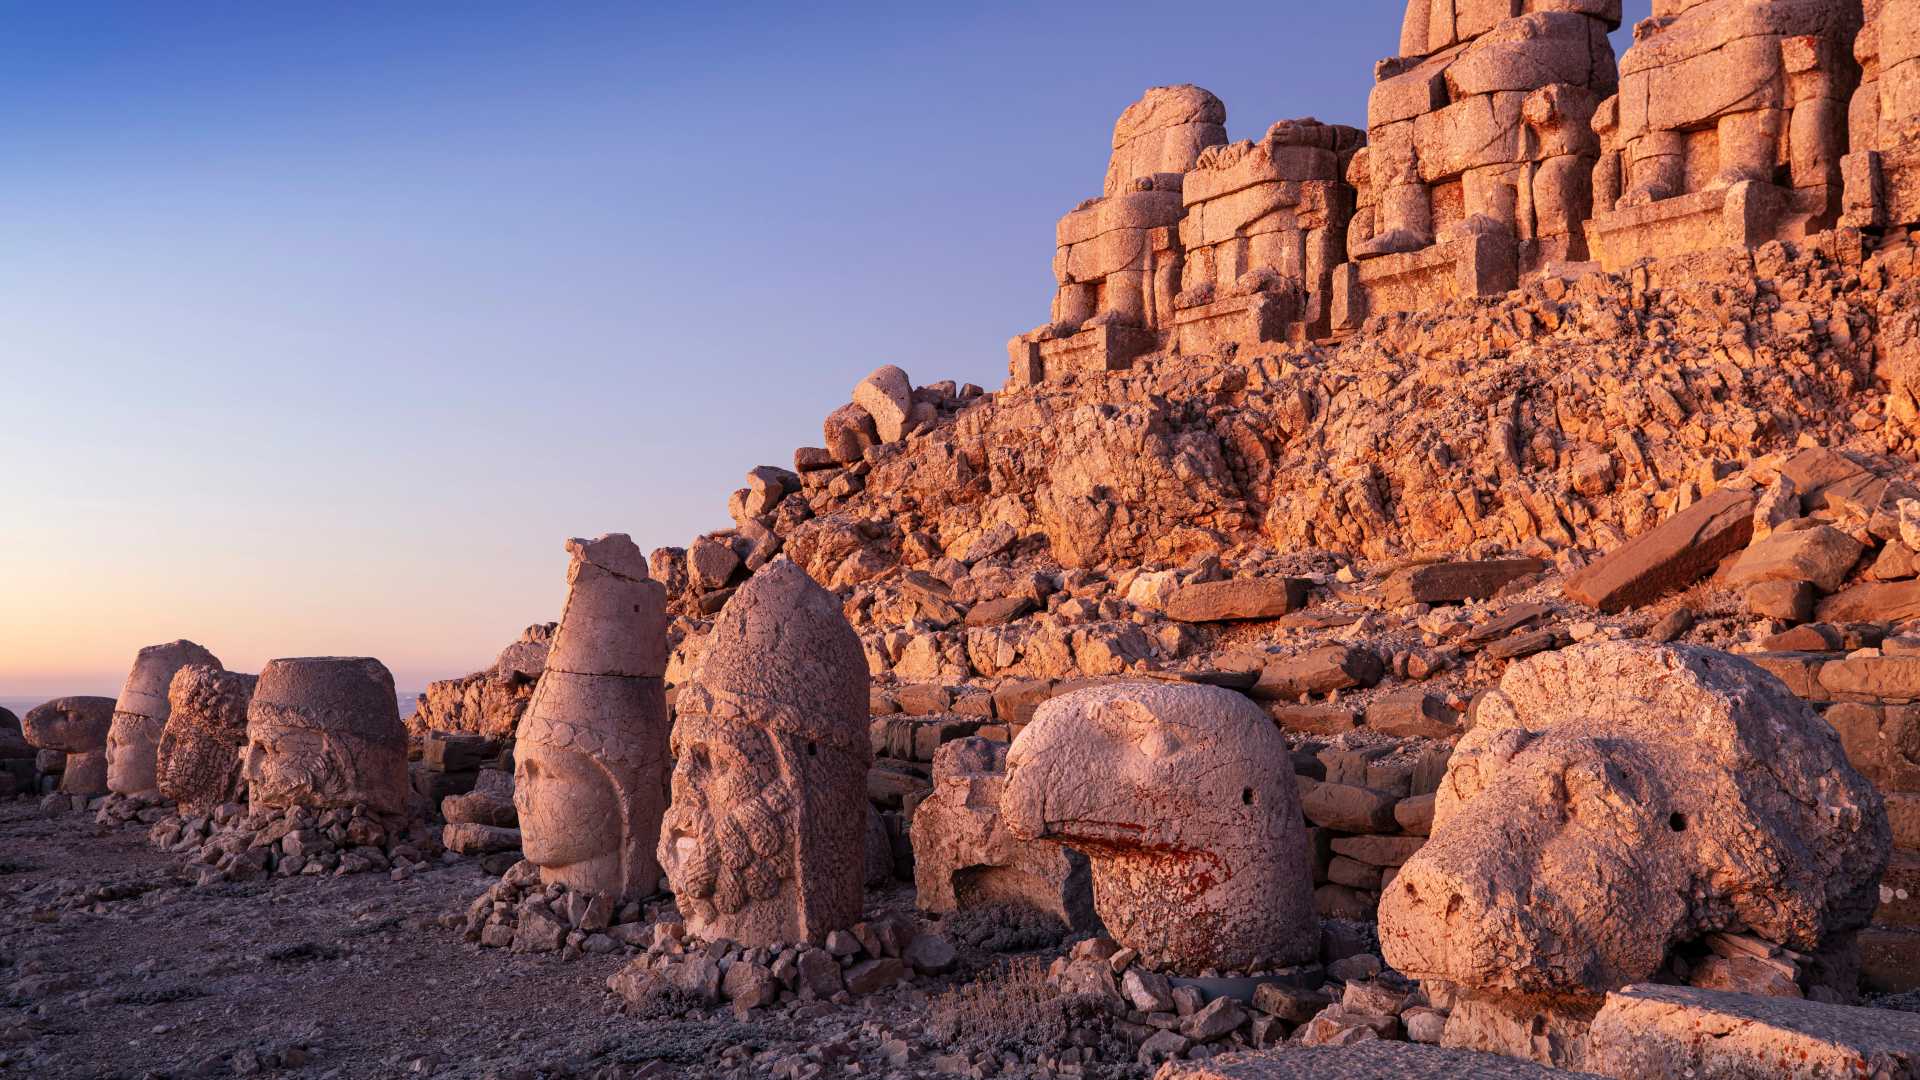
{"type": "Point", "coordinates": [290, 765]}
{"type": "Point", "coordinates": [569, 810]}
{"type": "Point", "coordinates": [726, 837]}
{"type": "Point", "coordinates": [133, 743]}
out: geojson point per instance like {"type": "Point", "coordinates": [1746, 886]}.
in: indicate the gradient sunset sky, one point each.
{"type": "Point", "coordinates": [322, 326]}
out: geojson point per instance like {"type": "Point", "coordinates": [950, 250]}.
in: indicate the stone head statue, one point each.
{"type": "Point", "coordinates": [325, 732]}
{"type": "Point", "coordinates": [133, 741]}
{"type": "Point", "coordinates": [198, 765]}
{"type": "Point", "coordinates": [765, 839]}
{"type": "Point", "coordinates": [590, 756]}
{"type": "Point", "coordinates": [1163, 132]}
{"type": "Point", "coordinates": [77, 726]}
{"type": "Point", "coordinates": [1183, 798]}
{"type": "Point", "coordinates": [1615, 800]}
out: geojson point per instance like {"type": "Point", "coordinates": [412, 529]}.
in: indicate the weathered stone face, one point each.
{"type": "Point", "coordinates": [324, 732]}
{"type": "Point", "coordinates": [140, 715]}
{"type": "Point", "coordinates": [590, 759]}
{"type": "Point", "coordinates": [1184, 799]}
{"type": "Point", "coordinates": [198, 763]}
{"type": "Point", "coordinates": [765, 839]}
{"type": "Point", "coordinates": [1615, 800]}
{"type": "Point", "coordinates": [78, 727]}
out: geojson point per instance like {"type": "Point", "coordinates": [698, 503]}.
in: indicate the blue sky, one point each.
{"type": "Point", "coordinates": [321, 326]}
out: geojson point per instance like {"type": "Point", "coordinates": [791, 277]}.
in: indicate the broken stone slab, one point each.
{"type": "Point", "coordinates": [1788, 601]}
{"type": "Point", "coordinates": [1649, 1032]}
{"type": "Point", "coordinates": [1822, 555]}
{"type": "Point", "coordinates": [1455, 582]}
{"type": "Point", "coordinates": [1379, 850]}
{"type": "Point", "coordinates": [1411, 713]}
{"type": "Point", "coordinates": [1239, 598]}
{"type": "Point", "coordinates": [1346, 808]}
{"type": "Point", "coordinates": [1890, 601]}
{"type": "Point", "coordinates": [1821, 475]}
{"type": "Point", "coordinates": [1671, 555]}
{"type": "Point", "coordinates": [1873, 676]}
{"type": "Point", "coordinates": [1314, 719]}
{"type": "Point", "coordinates": [1318, 671]}
{"type": "Point", "coordinates": [1533, 641]}
{"type": "Point", "coordinates": [995, 612]}
{"type": "Point", "coordinates": [1369, 1059]}
{"type": "Point", "coordinates": [468, 838]}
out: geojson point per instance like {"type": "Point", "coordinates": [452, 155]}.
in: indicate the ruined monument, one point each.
{"type": "Point", "coordinates": [765, 839]}
{"type": "Point", "coordinates": [1728, 129]}
{"type": "Point", "coordinates": [1615, 802]}
{"type": "Point", "coordinates": [1479, 152]}
{"type": "Point", "coordinates": [140, 715]}
{"type": "Point", "coordinates": [1183, 799]}
{"type": "Point", "coordinates": [1264, 226]}
{"type": "Point", "coordinates": [76, 726]}
{"type": "Point", "coordinates": [590, 757]}
{"type": "Point", "coordinates": [1118, 261]}
{"type": "Point", "coordinates": [964, 856]}
{"type": "Point", "coordinates": [198, 763]}
{"type": "Point", "coordinates": [325, 732]}
{"type": "Point", "coordinates": [1882, 171]}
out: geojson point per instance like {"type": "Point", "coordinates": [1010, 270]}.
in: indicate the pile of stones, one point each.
{"type": "Point", "coordinates": [519, 913]}
{"type": "Point", "coordinates": [869, 957]}
{"type": "Point", "coordinates": [113, 810]}
{"type": "Point", "coordinates": [231, 844]}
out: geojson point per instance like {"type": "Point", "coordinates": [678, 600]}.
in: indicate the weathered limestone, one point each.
{"type": "Point", "coordinates": [765, 839]}
{"type": "Point", "coordinates": [1614, 801]}
{"type": "Point", "coordinates": [1728, 129]}
{"type": "Point", "coordinates": [964, 857]}
{"type": "Point", "coordinates": [1479, 152]}
{"type": "Point", "coordinates": [1118, 261]}
{"type": "Point", "coordinates": [198, 765]}
{"type": "Point", "coordinates": [1678, 1032]}
{"type": "Point", "coordinates": [1882, 173]}
{"type": "Point", "coordinates": [139, 717]}
{"type": "Point", "coordinates": [1264, 226]}
{"type": "Point", "coordinates": [1184, 799]}
{"type": "Point", "coordinates": [324, 732]}
{"type": "Point", "coordinates": [590, 755]}
{"type": "Point", "coordinates": [1671, 555]}
{"type": "Point", "coordinates": [76, 726]}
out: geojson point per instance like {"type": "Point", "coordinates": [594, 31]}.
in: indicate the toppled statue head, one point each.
{"type": "Point", "coordinates": [1615, 800]}
{"type": "Point", "coordinates": [199, 756]}
{"type": "Point", "coordinates": [765, 839]}
{"type": "Point", "coordinates": [133, 740]}
{"type": "Point", "coordinates": [1184, 799]}
{"type": "Point", "coordinates": [76, 726]}
{"type": "Point", "coordinates": [324, 732]}
{"type": "Point", "coordinates": [590, 755]}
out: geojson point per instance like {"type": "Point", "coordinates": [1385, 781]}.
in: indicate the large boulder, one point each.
{"type": "Point", "coordinates": [1183, 797]}
{"type": "Point", "coordinates": [1616, 800]}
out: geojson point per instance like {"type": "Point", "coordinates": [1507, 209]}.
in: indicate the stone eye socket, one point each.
{"type": "Point", "coordinates": [1246, 796]}
{"type": "Point", "coordinates": [1677, 821]}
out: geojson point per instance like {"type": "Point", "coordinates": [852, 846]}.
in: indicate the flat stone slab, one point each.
{"type": "Point", "coordinates": [1671, 555]}
{"type": "Point", "coordinates": [1373, 1060]}
{"type": "Point", "coordinates": [1654, 1032]}
{"type": "Point", "coordinates": [1454, 582]}
{"type": "Point", "coordinates": [1240, 598]}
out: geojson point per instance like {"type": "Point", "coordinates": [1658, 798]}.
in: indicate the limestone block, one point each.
{"type": "Point", "coordinates": [765, 838]}
{"type": "Point", "coordinates": [198, 762]}
{"type": "Point", "coordinates": [1671, 555]}
{"type": "Point", "coordinates": [1691, 789]}
{"type": "Point", "coordinates": [964, 857]}
{"type": "Point", "coordinates": [1183, 798]}
{"type": "Point", "coordinates": [76, 726]}
{"type": "Point", "coordinates": [1823, 555]}
{"type": "Point", "coordinates": [140, 715]}
{"type": "Point", "coordinates": [1163, 132]}
{"type": "Point", "coordinates": [324, 732]}
{"type": "Point", "coordinates": [887, 396]}
{"type": "Point", "coordinates": [1670, 1032]}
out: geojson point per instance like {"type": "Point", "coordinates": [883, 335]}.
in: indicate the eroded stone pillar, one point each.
{"type": "Point", "coordinates": [590, 757]}
{"type": "Point", "coordinates": [140, 715]}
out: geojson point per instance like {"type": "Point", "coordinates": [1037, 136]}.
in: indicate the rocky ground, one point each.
{"type": "Point", "coordinates": [114, 965]}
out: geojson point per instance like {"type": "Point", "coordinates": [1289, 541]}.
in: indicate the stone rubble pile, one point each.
{"type": "Point", "coordinates": [866, 958]}
{"type": "Point", "coordinates": [232, 843]}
